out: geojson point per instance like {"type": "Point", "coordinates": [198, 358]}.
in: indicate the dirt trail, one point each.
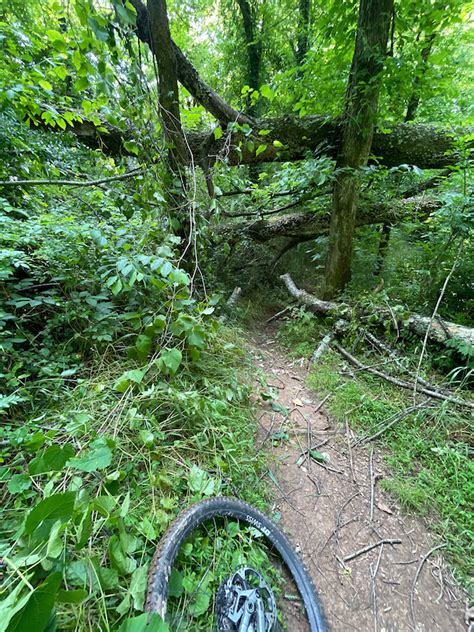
{"type": "Point", "coordinates": [333, 513]}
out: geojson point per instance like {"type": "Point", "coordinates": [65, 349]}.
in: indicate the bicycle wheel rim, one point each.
{"type": "Point", "coordinates": [223, 507]}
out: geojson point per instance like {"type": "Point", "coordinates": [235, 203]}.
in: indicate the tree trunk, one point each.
{"type": "Point", "coordinates": [302, 40]}
{"type": "Point", "coordinates": [420, 72]}
{"type": "Point", "coordinates": [254, 53]}
{"type": "Point", "coordinates": [177, 154]}
{"type": "Point", "coordinates": [305, 226]}
{"type": "Point", "coordinates": [358, 129]}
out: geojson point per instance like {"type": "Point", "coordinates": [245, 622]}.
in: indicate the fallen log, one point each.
{"type": "Point", "coordinates": [308, 225]}
{"type": "Point", "coordinates": [439, 331]}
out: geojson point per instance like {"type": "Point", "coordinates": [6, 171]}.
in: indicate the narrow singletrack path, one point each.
{"type": "Point", "coordinates": [335, 510]}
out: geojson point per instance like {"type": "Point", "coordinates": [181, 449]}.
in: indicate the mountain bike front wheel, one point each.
{"type": "Point", "coordinates": [224, 547]}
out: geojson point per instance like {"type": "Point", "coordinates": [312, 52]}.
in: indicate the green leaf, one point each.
{"type": "Point", "coordinates": [266, 92]}
{"type": "Point", "coordinates": [279, 408]}
{"type": "Point", "coordinates": [175, 584]}
{"type": "Point", "coordinates": [119, 559]}
{"type": "Point", "coordinates": [171, 359]}
{"type": "Point", "coordinates": [199, 481]}
{"type": "Point", "coordinates": [217, 133]}
{"type": "Point", "coordinates": [131, 146]}
{"type": "Point", "coordinates": [55, 543]}
{"type": "Point", "coordinates": [320, 457]}
{"type": "Point", "coordinates": [52, 459]}
{"type": "Point", "coordinates": [19, 483]}
{"type": "Point", "coordinates": [134, 376]}
{"type": "Point", "coordinates": [72, 596]}
{"type": "Point", "coordinates": [97, 457]}
{"type": "Point", "coordinates": [56, 507]}
{"type": "Point", "coordinates": [260, 149]}
{"type": "Point", "coordinates": [37, 611]}
{"type": "Point", "coordinates": [138, 587]}
{"type": "Point", "coordinates": [12, 604]}
{"type": "Point", "coordinates": [146, 622]}
{"type": "Point", "coordinates": [143, 346]}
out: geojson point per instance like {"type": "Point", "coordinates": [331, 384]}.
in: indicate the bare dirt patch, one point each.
{"type": "Point", "coordinates": [335, 510]}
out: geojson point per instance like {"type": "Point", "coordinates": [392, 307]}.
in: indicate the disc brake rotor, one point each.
{"type": "Point", "coordinates": [245, 603]}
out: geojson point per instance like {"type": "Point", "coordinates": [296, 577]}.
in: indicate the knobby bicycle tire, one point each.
{"type": "Point", "coordinates": [188, 520]}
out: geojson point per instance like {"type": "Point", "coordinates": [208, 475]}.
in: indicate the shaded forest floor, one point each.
{"type": "Point", "coordinates": [332, 506]}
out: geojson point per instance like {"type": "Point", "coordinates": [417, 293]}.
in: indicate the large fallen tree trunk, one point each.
{"type": "Point", "coordinates": [421, 145]}
{"type": "Point", "coordinates": [295, 225]}
{"type": "Point", "coordinates": [439, 330]}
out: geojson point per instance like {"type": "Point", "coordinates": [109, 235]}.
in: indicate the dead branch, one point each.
{"type": "Point", "coordinates": [71, 183]}
{"type": "Point", "coordinates": [366, 549]}
{"type": "Point", "coordinates": [400, 383]}
{"type": "Point", "coordinates": [417, 574]}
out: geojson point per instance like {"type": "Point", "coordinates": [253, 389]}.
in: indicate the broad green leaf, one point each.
{"type": "Point", "coordinates": [260, 149]}
{"type": "Point", "coordinates": [134, 376]}
{"type": "Point", "coordinates": [19, 483]}
{"type": "Point", "coordinates": [175, 584]}
{"type": "Point", "coordinates": [56, 507]}
{"type": "Point", "coordinates": [12, 604]}
{"type": "Point", "coordinates": [72, 596]}
{"type": "Point", "coordinates": [138, 587]}
{"type": "Point", "coordinates": [147, 622]}
{"type": "Point", "coordinates": [97, 457]}
{"type": "Point", "coordinates": [52, 459]}
{"type": "Point", "coordinates": [144, 346]}
{"type": "Point", "coordinates": [37, 611]}
{"type": "Point", "coordinates": [55, 542]}
{"type": "Point", "coordinates": [119, 559]}
{"type": "Point", "coordinates": [171, 359]}
{"type": "Point", "coordinates": [217, 133]}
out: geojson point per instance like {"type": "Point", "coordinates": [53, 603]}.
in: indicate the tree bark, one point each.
{"type": "Point", "coordinates": [254, 52]}
{"type": "Point", "coordinates": [358, 129]}
{"type": "Point", "coordinates": [188, 76]}
{"type": "Point", "coordinates": [414, 100]}
{"type": "Point", "coordinates": [177, 153]}
{"type": "Point", "coordinates": [302, 40]}
{"type": "Point", "coordinates": [309, 225]}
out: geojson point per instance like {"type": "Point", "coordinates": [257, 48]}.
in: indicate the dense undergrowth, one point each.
{"type": "Point", "coordinates": [428, 453]}
{"type": "Point", "coordinates": [122, 400]}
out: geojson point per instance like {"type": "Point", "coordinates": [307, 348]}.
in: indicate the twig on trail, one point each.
{"type": "Point", "coordinates": [278, 315]}
{"type": "Point", "coordinates": [328, 467]}
{"type": "Point", "coordinates": [372, 484]}
{"type": "Point", "coordinates": [417, 574]}
{"type": "Point", "coordinates": [366, 549]}
{"type": "Point", "coordinates": [349, 448]}
{"type": "Point", "coordinates": [338, 520]}
{"type": "Point", "coordinates": [321, 348]}
{"type": "Point", "coordinates": [391, 421]}
{"type": "Point", "coordinates": [308, 450]}
{"type": "Point", "coordinates": [373, 575]}
{"type": "Point", "coordinates": [321, 403]}
{"type": "Point", "coordinates": [408, 385]}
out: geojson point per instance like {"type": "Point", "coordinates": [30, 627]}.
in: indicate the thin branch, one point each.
{"type": "Point", "coordinates": [417, 574]}
{"type": "Point", "coordinates": [70, 183]}
{"type": "Point", "coordinates": [366, 549]}
{"type": "Point", "coordinates": [402, 384]}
